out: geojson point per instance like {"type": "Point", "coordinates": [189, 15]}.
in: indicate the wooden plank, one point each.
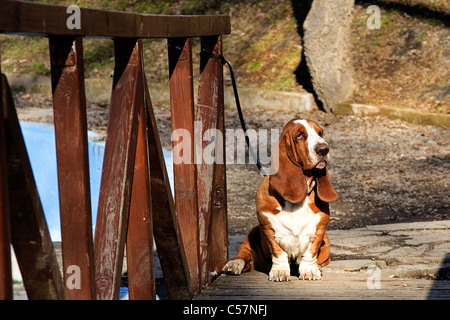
{"type": "Point", "coordinates": [184, 168]}
{"type": "Point", "coordinates": [69, 107]}
{"type": "Point", "coordinates": [218, 234]}
{"type": "Point", "coordinates": [334, 285]}
{"type": "Point", "coordinates": [29, 232]}
{"type": "Point", "coordinates": [118, 165]}
{"type": "Point", "coordinates": [6, 292]}
{"type": "Point", "coordinates": [45, 19]}
{"type": "Point", "coordinates": [210, 95]}
{"type": "Point", "coordinates": [140, 257]}
{"type": "Point", "coordinates": [165, 222]}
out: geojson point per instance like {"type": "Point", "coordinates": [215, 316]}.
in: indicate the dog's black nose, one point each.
{"type": "Point", "coordinates": [322, 149]}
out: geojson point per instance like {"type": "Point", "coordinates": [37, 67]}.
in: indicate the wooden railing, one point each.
{"type": "Point", "coordinates": [135, 201]}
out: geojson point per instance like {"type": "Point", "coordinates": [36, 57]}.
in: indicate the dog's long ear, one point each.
{"type": "Point", "coordinates": [287, 179]}
{"type": "Point", "coordinates": [325, 190]}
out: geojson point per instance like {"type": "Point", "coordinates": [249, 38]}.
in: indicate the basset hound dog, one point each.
{"type": "Point", "coordinates": [292, 208]}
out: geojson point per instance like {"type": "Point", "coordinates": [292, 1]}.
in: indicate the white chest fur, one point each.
{"type": "Point", "coordinates": [294, 228]}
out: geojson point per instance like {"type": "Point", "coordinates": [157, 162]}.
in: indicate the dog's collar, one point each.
{"type": "Point", "coordinates": [311, 186]}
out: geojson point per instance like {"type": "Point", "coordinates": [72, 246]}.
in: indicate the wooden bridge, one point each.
{"type": "Point", "coordinates": [135, 201]}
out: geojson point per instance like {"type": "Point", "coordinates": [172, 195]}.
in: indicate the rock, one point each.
{"type": "Point", "coordinates": [351, 265]}
{"type": "Point", "coordinates": [326, 45]}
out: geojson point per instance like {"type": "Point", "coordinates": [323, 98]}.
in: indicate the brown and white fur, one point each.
{"type": "Point", "coordinates": [292, 208]}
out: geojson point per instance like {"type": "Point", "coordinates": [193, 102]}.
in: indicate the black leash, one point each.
{"type": "Point", "coordinates": [238, 106]}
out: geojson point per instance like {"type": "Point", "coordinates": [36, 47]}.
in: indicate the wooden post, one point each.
{"type": "Point", "coordinates": [29, 232]}
{"type": "Point", "coordinates": [184, 168]}
{"type": "Point", "coordinates": [168, 238]}
{"type": "Point", "coordinates": [140, 257]}
{"type": "Point", "coordinates": [210, 103]}
{"type": "Point", "coordinates": [69, 107]}
{"type": "Point", "coordinates": [118, 165]}
{"type": "Point", "coordinates": [6, 292]}
{"type": "Point", "coordinates": [218, 234]}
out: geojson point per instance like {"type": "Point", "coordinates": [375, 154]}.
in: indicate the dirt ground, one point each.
{"type": "Point", "coordinates": [385, 171]}
{"type": "Point", "coordinates": [404, 64]}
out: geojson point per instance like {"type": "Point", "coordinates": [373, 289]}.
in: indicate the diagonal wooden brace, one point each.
{"type": "Point", "coordinates": [29, 232]}
{"type": "Point", "coordinates": [127, 99]}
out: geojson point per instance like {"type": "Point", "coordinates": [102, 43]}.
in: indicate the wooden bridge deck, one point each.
{"type": "Point", "coordinates": [360, 258]}
{"type": "Point", "coordinates": [334, 285]}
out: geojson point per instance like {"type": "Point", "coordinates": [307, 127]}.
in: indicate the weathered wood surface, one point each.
{"type": "Point", "coordinates": [6, 289]}
{"type": "Point", "coordinates": [29, 232]}
{"type": "Point", "coordinates": [184, 168]}
{"type": "Point", "coordinates": [209, 106]}
{"type": "Point", "coordinates": [140, 257]}
{"type": "Point", "coordinates": [334, 285]}
{"type": "Point", "coordinates": [69, 108]}
{"type": "Point", "coordinates": [44, 19]}
{"type": "Point", "coordinates": [119, 207]}
{"type": "Point", "coordinates": [218, 234]}
{"type": "Point", "coordinates": [127, 99]}
{"type": "Point", "coordinates": [165, 221]}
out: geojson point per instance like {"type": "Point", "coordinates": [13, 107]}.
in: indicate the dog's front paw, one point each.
{"type": "Point", "coordinates": [310, 274]}
{"type": "Point", "coordinates": [309, 271]}
{"type": "Point", "coordinates": [281, 269]}
{"type": "Point", "coordinates": [234, 266]}
{"type": "Point", "coordinates": [279, 275]}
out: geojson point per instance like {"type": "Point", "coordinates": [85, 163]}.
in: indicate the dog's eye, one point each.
{"type": "Point", "coordinates": [320, 134]}
{"type": "Point", "coordinates": [300, 136]}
